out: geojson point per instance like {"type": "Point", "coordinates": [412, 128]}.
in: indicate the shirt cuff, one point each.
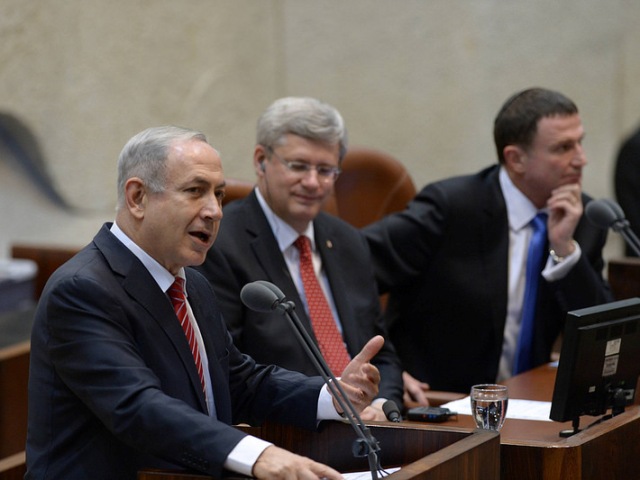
{"type": "Point", "coordinates": [326, 409]}
{"type": "Point", "coordinates": [245, 454]}
{"type": "Point", "coordinates": [555, 271]}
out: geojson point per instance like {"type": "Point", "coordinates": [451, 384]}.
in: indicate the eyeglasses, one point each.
{"type": "Point", "coordinates": [326, 173]}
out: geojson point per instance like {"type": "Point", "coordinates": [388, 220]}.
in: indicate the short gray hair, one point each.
{"type": "Point", "coordinates": [145, 154]}
{"type": "Point", "coordinates": [303, 116]}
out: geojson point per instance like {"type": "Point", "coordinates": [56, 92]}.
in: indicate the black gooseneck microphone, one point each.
{"type": "Point", "coordinates": [263, 296]}
{"type": "Point", "coordinates": [606, 213]}
{"type": "Point", "coordinates": [392, 411]}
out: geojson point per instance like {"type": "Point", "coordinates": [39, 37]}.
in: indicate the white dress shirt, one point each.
{"type": "Point", "coordinates": [520, 212]}
{"type": "Point", "coordinates": [286, 236]}
{"type": "Point", "coordinates": [244, 455]}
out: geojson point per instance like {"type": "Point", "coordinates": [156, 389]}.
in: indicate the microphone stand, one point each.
{"type": "Point", "coordinates": [620, 223]}
{"type": "Point", "coordinates": [622, 226]}
{"type": "Point", "coordinates": [366, 445]}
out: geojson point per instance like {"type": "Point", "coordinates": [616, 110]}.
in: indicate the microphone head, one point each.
{"type": "Point", "coordinates": [391, 411]}
{"type": "Point", "coordinates": [615, 207]}
{"type": "Point", "coordinates": [601, 213]}
{"type": "Point", "coordinates": [271, 287]}
{"type": "Point", "coordinates": [261, 296]}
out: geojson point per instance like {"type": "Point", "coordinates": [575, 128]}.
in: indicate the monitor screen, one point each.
{"type": "Point", "coordinates": [599, 361]}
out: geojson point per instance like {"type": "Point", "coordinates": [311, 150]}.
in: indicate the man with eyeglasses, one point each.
{"type": "Point", "coordinates": [300, 145]}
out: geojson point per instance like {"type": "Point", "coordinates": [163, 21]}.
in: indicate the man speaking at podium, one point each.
{"type": "Point", "coordinates": [131, 363]}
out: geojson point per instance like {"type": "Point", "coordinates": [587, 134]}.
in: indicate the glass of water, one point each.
{"type": "Point", "coordinates": [489, 405]}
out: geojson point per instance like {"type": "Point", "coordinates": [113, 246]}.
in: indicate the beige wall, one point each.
{"type": "Point", "coordinates": [421, 79]}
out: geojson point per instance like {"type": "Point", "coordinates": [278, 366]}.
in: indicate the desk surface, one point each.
{"type": "Point", "coordinates": [537, 384]}
{"type": "Point", "coordinates": [534, 450]}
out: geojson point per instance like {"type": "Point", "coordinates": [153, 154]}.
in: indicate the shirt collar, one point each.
{"type": "Point", "coordinates": [284, 233]}
{"type": "Point", "coordinates": [520, 210]}
{"type": "Point", "coordinates": [163, 277]}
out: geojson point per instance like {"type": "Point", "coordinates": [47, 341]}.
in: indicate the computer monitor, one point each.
{"type": "Point", "coordinates": [599, 362]}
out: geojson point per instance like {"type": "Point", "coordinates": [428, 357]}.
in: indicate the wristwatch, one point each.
{"type": "Point", "coordinates": [555, 257]}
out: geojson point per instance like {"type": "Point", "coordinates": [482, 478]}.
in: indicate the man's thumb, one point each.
{"type": "Point", "coordinates": [370, 350]}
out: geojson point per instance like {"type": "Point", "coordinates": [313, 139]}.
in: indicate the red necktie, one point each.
{"type": "Point", "coordinates": [324, 325]}
{"type": "Point", "coordinates": [176, 294]}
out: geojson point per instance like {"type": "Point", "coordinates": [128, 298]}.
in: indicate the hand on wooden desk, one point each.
{"type": "Point", "coordinates": [415, 391]}
{"type": "Point", "coordinates": [419, 394]}
{"type": "Point", "coordinates": [276, 463]}
{"type": "Point", "coordinates": [373, 413]}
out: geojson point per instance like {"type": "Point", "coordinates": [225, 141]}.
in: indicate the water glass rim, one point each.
{"type": "Point", "coordinates": [489, 387]}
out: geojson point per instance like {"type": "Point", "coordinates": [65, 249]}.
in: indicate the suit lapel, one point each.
{"type": "Point", "coordinates": [495, 244]}
{"type": "Point", "coordinates": [143, 289]}
{"type": "Point", "coordinates": [263, 244]}
{"type": "Point", "coordinates": [329, 248]}
{"type": "Point", "coordinates": [207, 315]}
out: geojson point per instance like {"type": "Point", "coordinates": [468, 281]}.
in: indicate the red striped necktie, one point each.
{"type": "Point", "coordinates": [179, 301]}
{"type": "Point", "coordinates": [324, 325]}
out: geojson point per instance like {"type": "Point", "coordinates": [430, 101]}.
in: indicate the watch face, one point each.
{"type": "Point", "coordinates": [555, 257]}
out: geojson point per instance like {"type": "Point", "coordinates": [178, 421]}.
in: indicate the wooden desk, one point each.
{"type": "Point", "coordinates": [13, 467]}
{"type": "Point", "coordinates": [425, 453]}
{"type": "Point", "coordinates": [624, 277]}
{"type": "Point", "coordinates": [534, 450]}
{"type": "Point", "coordinates": [47, 257]}
{"type": "Point", "coordinates": [14, 376]}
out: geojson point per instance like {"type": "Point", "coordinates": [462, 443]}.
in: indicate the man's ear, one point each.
{"type": "Point", "coordinates": [514, 158]}
{"type": "Point", "coordinates": [259, 157]}
{"type": "Point", "coordinates": [135, 195]}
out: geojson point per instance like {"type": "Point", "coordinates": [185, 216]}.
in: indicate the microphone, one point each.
{"type": "Point", "coordinates": [263, 296]}
{"type": "Point", "coordinates": [391, 411]}
{"type": "Point", "coordinates": [617, 209]}
{"type": "Point", "coordinates": [603, 214]}
{"type": "Point", "coordinates": [606, 213]}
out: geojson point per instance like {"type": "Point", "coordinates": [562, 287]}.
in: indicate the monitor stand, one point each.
{"type": "Point", "coordinates": [575, 423]}
{"type": "Point", "coordinates": [618, 403]}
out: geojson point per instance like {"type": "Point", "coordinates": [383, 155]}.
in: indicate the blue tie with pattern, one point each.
{"type": "Point", "coordinates": [535, 256]}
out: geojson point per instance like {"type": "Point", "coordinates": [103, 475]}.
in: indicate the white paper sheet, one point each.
{"type": "Point", "coordinates": [367, 475]}
{"type": "Point", "coordinates": [517, 408]}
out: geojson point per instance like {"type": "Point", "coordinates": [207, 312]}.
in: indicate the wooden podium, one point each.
{"type": "Point", "coordinates": [433, 453]}
{"type": "Point", "coordinates": [533, 450]}
{"type": "Point", "coordinates": [610, 449]}
{"type": "Point", "coordinates": [14, 376]}
{"type": "Point", "coordinates": [426, 453]}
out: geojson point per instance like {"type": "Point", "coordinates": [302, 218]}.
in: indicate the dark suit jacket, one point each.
{"type": "Point", "coordinates": [445, 261]}
{"type": "Point", "coordinates": [113, 386]}
{"type": "Point", "coordinates": [246, 250]}
{"type": "Point", "coordinates": [627, 183]}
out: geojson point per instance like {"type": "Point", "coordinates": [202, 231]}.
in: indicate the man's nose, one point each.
{"type": "Point", "coordinates": [213, 207]}
{"type": "Point", "coordinates": [580, 158]}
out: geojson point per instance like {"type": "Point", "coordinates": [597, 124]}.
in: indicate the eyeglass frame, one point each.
{"type": "Point", "coordinates": [326, 173]}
